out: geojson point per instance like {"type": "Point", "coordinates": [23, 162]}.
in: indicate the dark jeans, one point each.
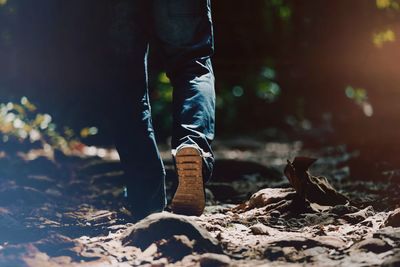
{"type": "Point", "coordinates": [182, 31]}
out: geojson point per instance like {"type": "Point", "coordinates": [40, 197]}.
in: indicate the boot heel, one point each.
{"type": "Point", "coordinates": [189, 198]}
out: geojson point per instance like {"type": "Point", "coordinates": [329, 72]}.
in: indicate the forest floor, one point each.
{"type": "Point", "coordinates": [69, 212]}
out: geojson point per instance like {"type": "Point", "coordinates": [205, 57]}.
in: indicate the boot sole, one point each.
{"type": "Point", "coordinates": [189, 198]}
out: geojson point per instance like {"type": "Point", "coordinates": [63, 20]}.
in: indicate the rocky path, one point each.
{"type": "Point", "coordinates": [70, 212]}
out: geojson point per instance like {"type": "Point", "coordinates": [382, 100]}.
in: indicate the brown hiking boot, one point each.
{"type": "Point", "coordinates": [189, 198]}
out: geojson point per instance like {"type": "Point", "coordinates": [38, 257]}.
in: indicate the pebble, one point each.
{"type": "Point", "coordinates": [212, 260]}
{"type": "Point", "coordinates": [259, 229]}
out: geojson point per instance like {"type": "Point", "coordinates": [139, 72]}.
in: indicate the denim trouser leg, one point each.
{"type": "Point", "coordinates": [141, 161]}
{"type": "Point", "coordinates": [130, 121]}
{"type": "Point", "coordinates": [183, 31]}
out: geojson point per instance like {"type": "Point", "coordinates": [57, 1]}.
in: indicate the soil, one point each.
{"type": "Point", "coordinates": [69, 211]}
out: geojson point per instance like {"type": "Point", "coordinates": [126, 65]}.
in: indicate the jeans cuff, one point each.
{"type": "Point", "coordinates": [203, 153]}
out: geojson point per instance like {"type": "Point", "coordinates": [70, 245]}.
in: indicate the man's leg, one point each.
{"type": "Point", "coordinates": [130, 120]}
{"type": "Point", "coordinates": [183, 30]}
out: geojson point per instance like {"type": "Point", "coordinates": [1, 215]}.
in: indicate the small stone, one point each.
{"type": "Point", "coordinates": [259, 229]}
{"type": "Point", "coordinates": [292, 254]}
{"type": "Point", "coordinates": [275, 214]}
{"type": "Point", "coordinates": [315, 251]}
{"type": "Point", "coordinates": [212, 260]}
{"type": "Point", "coordinates": [159, 263]}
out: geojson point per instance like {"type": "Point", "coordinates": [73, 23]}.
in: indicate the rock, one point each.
{"type": "Point", "coordinates": [165, 225]}
{"type": "Point", "coordinates": [330, 242]}
{"type": "Point", "coordinates": [393, 261]}
{"type": "Point", "coordinates": [389, 233]}
{"type": "Point", "coordinates": [266, 197]}
{"type": "Point", "coordinates": [176, 247]}
{"type": "Point", "coordinates": [298, 249]}
{"type": "Point", "coordinates": [100, 217]}
{"type": "Point", "coordinates": [359, 216]}
{"type": "Point", "coordinates": [293, 255]}
{"type": "Point", "coordinates": [393, 219]}
{"type": "Point", "coordinates": [86, 215]}
{"type": "Point", "coordinates": [259, 229]}
{"type": "Point", "coordinates": [214, 260]}
{"type": "Point", "coordinates": [343, 209]}
{"type": "Point", "coordinates": [372, 245]}
{"type": "Point", "coordinates": [314, 252]}
{"type": "Point", "coordinates": [282, 201]}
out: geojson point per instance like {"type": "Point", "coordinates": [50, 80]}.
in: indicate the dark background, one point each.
{"type": "Point", "coordinates": [301, 67]}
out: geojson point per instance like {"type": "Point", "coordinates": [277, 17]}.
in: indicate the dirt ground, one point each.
{"type": "Point", "coordinates": [70, 212]}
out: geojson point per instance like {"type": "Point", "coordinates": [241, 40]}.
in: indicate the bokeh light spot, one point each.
{"type": "Point", "coordinates": [237, 91]}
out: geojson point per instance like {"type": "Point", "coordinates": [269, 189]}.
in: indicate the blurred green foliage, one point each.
{"type": "Point", "coordinates": [162, 102]}
{"type": "Point", "coordinates": [276, 61]}
{"type": "Point", "coordinates": [22, 123]}
{"type": "Point", "coordinates": [282, 8]}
